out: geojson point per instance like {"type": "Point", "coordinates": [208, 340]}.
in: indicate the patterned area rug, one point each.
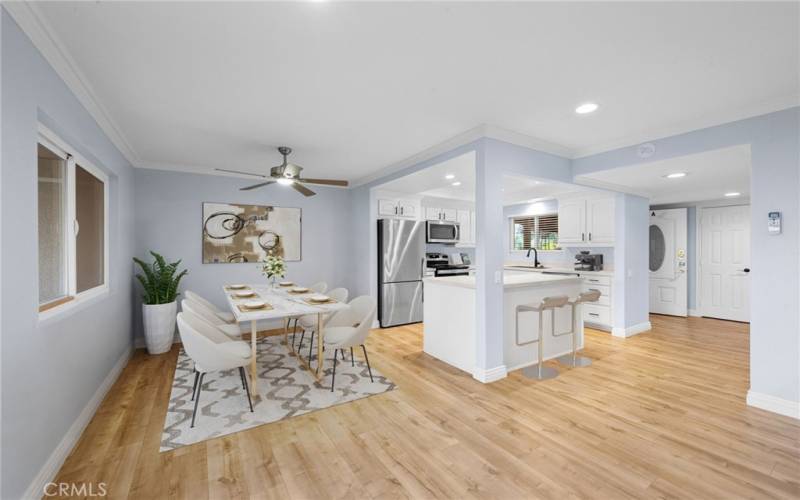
{"type": "Point", "coordinates": [285, 389]}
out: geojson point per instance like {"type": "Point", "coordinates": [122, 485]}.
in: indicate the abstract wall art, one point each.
{"type": "Point", "coordinates": [234, 233]}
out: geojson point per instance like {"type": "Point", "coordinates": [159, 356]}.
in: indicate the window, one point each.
{"type": "Point", "coordinates": [72, 224]}
{"type": "Point", "coordinates": [535, 231]}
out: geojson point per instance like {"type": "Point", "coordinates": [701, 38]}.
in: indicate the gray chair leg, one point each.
{"type": "Point", "coordinates": [333, 376]}
{"type": "Point", "coordinates": [246, 389]}
{"type": "Point", "coordinates": [352, 359]}
{"type": "Point", "coordinates": [311, 347]}
{"type": "Point", "coordinates": [197, 397]}
{"type": "Point", "coordinates": [367, 359]}
{"type": "Point", "coordinates": [302, 336]}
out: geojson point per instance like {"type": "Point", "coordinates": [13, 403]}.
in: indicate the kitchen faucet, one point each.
{"type": "Point", "coordinates": [536, 262]}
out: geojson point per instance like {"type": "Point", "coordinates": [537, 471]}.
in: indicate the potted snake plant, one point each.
{"type": "Point", "coordinates": [160, 282]}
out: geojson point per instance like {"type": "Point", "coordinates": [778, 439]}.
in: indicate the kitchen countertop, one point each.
{"type": "Point", "coordinates": [557, 269]}
{"type": "Point", "coordinates": [509, 281]}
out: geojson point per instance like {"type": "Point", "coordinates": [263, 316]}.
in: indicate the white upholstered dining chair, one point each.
{"type": "Point", "coordinates": [211, 351]}
{"type": "Point", "coordinates": [225, 316]}
{"type": "Point", "coordinates": [199, 310]}
{"type": "Point", "coordinates": [349, 328]}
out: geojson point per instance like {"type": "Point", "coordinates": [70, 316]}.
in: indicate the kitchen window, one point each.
{"type": "Point", "coordinates": [534, 231]}
{"type": "Point", "coordinates": [72, 224]}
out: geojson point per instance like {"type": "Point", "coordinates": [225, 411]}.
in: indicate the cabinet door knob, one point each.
{"type": "Point", "coordinates": [746, 269]}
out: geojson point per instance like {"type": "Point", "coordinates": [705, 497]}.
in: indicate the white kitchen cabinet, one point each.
{"type": "Point", "coordinates": [432, 213]}
{"type": "Point", "coordinates": [398, 208]}
{"type": "Point", "coordinates": [600, 220]}
{"type": "Point", "coordinates": [586, 221]}
{"type": "Point", "coordinates": [435, 213]}
{"type": "Point", "coordinates": [571, 221]}
{"type": "Point", "coordinates": [464, 219]}
{"type": "Point", "coordinates": [598, 314]}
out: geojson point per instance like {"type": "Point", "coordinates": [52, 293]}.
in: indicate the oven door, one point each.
{"type": "Point", "coordinates": [442, 232]}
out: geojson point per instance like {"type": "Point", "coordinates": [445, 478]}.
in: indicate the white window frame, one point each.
{"type": "Point", "coordinates": [52, 141]}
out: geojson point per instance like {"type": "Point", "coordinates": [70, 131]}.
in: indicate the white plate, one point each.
{"type": "Point", "coordinates": [237, 287]}
{"type": "Point", "coordinates": [254, 304]}
{"type": "Point", "coordinates": [249, 293]}
{"type": "Point", "coordinates": [299, 289]}
{"type": "Point", "coordinates": [286, 283]}
{"type": "Point", "coordinates": [318, 297]}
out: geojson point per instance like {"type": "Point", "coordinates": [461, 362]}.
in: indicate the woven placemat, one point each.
{"type": "Point", "coordinates": [267, 307]}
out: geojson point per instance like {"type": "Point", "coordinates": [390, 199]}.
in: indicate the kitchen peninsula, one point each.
{"type": "Point", "coordinates": [452, 337]}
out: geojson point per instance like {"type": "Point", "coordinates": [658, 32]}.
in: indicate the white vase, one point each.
{"type": "Point", "coordinates": [159, 326]}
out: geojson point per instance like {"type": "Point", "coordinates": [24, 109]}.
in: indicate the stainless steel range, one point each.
{"type": "Point", "coordinates": [440, 263]}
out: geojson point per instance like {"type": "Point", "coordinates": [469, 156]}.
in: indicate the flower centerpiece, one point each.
{"type": "Point", "coordinates": [273, 268]}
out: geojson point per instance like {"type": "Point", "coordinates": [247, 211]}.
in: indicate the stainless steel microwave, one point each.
{"type": "Point", "coordinates": [440, 231]}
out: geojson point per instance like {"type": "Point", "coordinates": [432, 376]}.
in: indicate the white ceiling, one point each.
{"type": "Point", "coordinates": [709, 176]}
{"type": "Point", "coordinates": [432, 182]}
{"type": "Point", "coordinates": [355, 88]}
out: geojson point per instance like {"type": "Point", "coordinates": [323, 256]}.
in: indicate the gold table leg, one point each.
{"type": "Point", "coordinates": [253, 367]}
{"type": "Point", "coordinates": [320, 346]}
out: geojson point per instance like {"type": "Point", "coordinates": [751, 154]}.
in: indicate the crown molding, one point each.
{"type": "Point", "coordinates": [479, 132]}
{"type": "Point", "coordinates": [34, 24]}
{"type": "Point", "coordinates": [698, 123]}
{"type": "Point", "coordinates": [527, 141]}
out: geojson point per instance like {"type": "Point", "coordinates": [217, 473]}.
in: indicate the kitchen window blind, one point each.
{"type": "Point", "coordinates": [535, 231]}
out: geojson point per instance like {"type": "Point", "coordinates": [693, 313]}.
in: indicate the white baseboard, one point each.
{"type": "Point", "coordinates": [695, 313]}
{"type": "Point", "coordinates": [490, 375]}
{"type": "Point", "coordinates": [774, 404]}
{"type": "Point", "coordinates": [50, 468]}
{"type": "Point", "coordinates": [631, 330]}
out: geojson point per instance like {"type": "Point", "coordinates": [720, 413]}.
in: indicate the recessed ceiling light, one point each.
{"type": "Point", "coordinates": [457, 183]}
{"type": "Point", "coordinates": [449, 177]}
{"type": "Point", "coordinates": [586, 108]}
{"type": "Point", "coordinates": [285, 181]}
{"type": "Point", "coordinates": [732, 194]}
{"type": "Point", "coordinates": [675, 175]}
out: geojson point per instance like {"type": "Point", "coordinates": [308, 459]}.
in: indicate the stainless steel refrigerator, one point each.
{"type": "Point", "coordinates": [401, 266]}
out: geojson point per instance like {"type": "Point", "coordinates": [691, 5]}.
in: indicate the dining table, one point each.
{"type": "Point", "coordinates": [281, 302]}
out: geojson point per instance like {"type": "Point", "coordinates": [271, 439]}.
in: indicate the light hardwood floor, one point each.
{"type": "Point", "coordinates": [659, 415]}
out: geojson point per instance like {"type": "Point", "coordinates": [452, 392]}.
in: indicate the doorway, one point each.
{"type": "Point", "coordinates": [725, 262]}
{"type": "Point", "coordinates": [667, 263]}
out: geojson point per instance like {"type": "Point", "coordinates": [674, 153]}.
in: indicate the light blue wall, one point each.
{"type": "Point", "coordinates": [774, 140]}
{"type": "Point", "coordinates": [630, 299]}
{"type": "Point", "coordinates": [169, 221]}
{"type": "Point", "coordinates": [50, 370]}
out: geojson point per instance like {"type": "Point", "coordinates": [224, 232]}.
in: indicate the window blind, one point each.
{"type": "Point", "coordinates": [535, 231]}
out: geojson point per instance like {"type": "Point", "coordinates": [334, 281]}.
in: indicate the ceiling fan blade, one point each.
{"type": "Point", "coordinates": [239, 172]}
{"type": "Point", "coordinates": [301, 188]}
{"type": "Point", "coordinates": [254, 186]}
{"type": "Point", "coordinates": [326, 182]}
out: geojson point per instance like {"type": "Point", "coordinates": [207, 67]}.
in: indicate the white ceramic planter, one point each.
{"type": "Point", "coordinates": [159, 326]}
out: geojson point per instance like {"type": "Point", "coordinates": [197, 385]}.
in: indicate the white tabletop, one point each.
{"type": "Point", "coordinates": [284, 304]}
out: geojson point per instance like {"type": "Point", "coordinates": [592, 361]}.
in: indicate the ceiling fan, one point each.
{"type": "Point", "coordinates": [288, 174]}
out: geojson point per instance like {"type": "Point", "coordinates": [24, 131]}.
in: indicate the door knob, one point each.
{"type": "Point", "coordinates": [746, 269]}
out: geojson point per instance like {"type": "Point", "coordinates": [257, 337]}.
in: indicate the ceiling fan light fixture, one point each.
{"type": "Point", "coordinates": [285, 181]}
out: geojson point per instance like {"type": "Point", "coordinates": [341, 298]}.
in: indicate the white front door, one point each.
{"type": "Point", "coordinates": [668, 282]}
{"type": "Point", "coordinates": [725, 262]}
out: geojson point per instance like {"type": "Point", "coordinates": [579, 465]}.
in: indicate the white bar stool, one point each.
{"type": "Point", "coordinates": [573, 359]}
{"type": "Point", "coordinates": [540, 372]}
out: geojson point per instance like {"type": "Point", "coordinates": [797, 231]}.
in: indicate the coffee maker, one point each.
{"type": "Point", "coordinates": [586, 261]}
